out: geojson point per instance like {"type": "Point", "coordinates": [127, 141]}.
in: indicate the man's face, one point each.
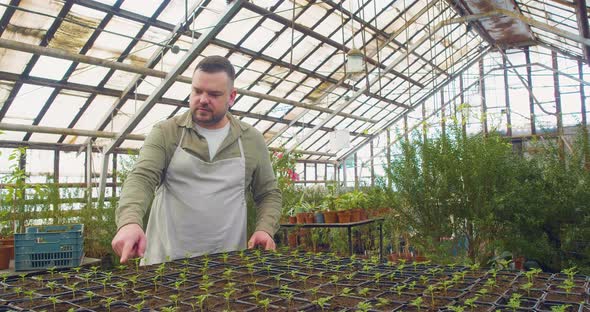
{"type": "Point", "coordinates": [211, 96]}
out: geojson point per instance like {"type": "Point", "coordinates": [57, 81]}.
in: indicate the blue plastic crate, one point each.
{"type": "Point", "coordinates": [46, 246]}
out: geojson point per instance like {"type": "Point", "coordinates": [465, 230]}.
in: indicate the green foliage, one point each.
{"type": "Point", "coordinates": [475, 188]}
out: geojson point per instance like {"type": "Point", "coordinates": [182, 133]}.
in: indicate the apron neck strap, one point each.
{"type": "Point", "coordinates": [241, 147]}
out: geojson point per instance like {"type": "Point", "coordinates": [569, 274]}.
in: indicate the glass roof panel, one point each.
{"type": "Point", "coordinates": [63, 109]}
{"type": "Point", "coordinates": [240, 25]}
{"type": "Point", "coordinates": [50, 68]}
{"type": "Point", "coordinates": [13, 61]}
{"type": "Point", "coordinates": [95, 111]}
{"type": "Point", "coordinates": [178, 91]}
{"type": "Point", "coordinates": [145, 7]}
{"type": "Point", "coordinates": [158, 113]}
{"type": "Point", "coordinates": [27, 104]}
{"type": "Point", "coordinates": [175, 11]}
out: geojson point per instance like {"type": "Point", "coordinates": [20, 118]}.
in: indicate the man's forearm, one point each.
{"type": "Point", "coordinates": [269, 212]}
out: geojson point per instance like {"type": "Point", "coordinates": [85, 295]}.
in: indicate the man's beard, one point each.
{"type": "Point", "coordinates": [212, 117]}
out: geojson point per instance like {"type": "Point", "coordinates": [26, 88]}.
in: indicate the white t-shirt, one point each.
{"type": "Point", "coordinates": [214, 137]}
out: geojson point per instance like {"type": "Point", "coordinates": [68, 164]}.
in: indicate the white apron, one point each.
{"type": "Point", "coordinates": [200, 208]}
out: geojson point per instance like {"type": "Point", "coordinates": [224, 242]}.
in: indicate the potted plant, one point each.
{"type": "Point", "coordinates": [6, 242]}
{"type": "Point", "coordinates": [343, 204]}
{"type": "Point", "coordinates": [358, 201]}
{"type": "Point", "coordinates": [319, 213]}
{"type": "Point", "coordinates": [328, 205]}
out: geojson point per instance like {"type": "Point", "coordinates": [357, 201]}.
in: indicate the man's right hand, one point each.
{"type": "Point", "coordinates": [129, 242]}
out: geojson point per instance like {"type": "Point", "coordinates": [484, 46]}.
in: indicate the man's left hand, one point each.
{"type": "Point", "coordinates": [261, 238]}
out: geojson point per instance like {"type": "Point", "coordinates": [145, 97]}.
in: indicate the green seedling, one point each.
{"type": "Point", "coordinates": [363, 306]}
{"type": "Point", "coordinates": [364, 292]}
{"type": "Point", "coordinates": [174, 298]}
{"type": "Point", "coordinates": [138, 306]}
{"type": "Point", "coordinates": [201, 301]}
{"type": "Point", "coordinates": [381, 302]}
{"type": "Point", "coordinates": [264, 303]}
{"type": "Point", "coordinates": [560, 308]}
{"type": "Point", "coordinates": [527, 287]}
{"type": "Point", "coordinates": [54, 302]}
{"type": "Point", "coordinates": [417, 303]}
{"type": "Point", "coordinates": [108, 302]}
{"type": "Point", "coordinates": [141, 293]}
{"type": "Point", "coordinates": [514, 302]}
{"type": "Point", "coordinates": [322, 302]}
{"type": "Point", "coordinates": [471, 302]}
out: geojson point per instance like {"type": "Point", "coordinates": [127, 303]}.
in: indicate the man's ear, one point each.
{"type": "Point", "coordinates": [232, 97]}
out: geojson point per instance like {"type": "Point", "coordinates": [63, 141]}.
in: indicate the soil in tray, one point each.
{"type": "Point", "coordinates": [302, 285]}
{"type": "Point", "coordinates": [546, 306]}
{"type": "Point", "coordinates": [533, 294]}
{"type": "Point", "coordinates": [563, 297]}
{"type": "Point", "coordinates": [382, 306]}
{"type": "Point", "coordinates": [574, 290]}
{"type": "Point", "coordinates": [524, 303]}
{"type": "Point", "coordinates": [152, 302]}
{"type": "Point", "coordinates": [26, 284]}
{"type": "Point", "coordinates": [487, 298]}
{"type": "Point", "coordinates": [450, 293]}
{"type": "Point", "coordinates": [61, 306]}
{"type": "Point", "coordinates": [293, 305]}
{"type": "Point", "coordinates": [345, 301]}
{"type": "Point", "coordinates": [437, 302]}
{"type": "Point", "coordinates": [403, 297]}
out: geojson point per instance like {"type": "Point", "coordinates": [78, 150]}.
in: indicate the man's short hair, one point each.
{"type": "Point", "coordinates": [215, 64]}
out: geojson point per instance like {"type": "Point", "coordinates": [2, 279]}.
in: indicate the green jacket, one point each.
{"type": "Point", "coordinates": [156, 153]}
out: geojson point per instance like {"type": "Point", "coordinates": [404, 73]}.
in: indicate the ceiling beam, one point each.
{"type": "Point", "coordinates": [6, 76]}
{"type": "Point", "coordinates": [394, 63]}
{"type": "Point", "coordinates": [156, 56]}
{"type": "Point", "coordinates": [101, 134]}
{"type": "Point", "coordinates": [582, 17]}
{"type": "Point", "coordinates": [400, 30]}
{"type": "Point", "coordinates": [57, 53]}
{"type": "Point", "coordinates": [420, 102]}
{"type": "Point", "coordinates": [383, 35]}
{"type": "Point", "coordinates": [309, 32]}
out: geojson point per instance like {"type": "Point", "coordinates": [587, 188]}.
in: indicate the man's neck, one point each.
{"type": "Point", "coordinates": [215, 126]}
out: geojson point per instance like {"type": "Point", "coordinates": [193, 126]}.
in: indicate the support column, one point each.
{"type": "Point", "coordinates": [424, 123]}
{"type": "Point", "coordinates": [507, 97]}
{"type": "Point", "coordinates": [557, 96]}
{"type": "Point", "coordinates": [584, 120]}
{"type": "Point", "coordinates": [56, 166]}
{"type": "Point", "coordinates": [372, 164]}
{"type": "Point", "coordinates": [529, 76]}
{"type": "Point", "coordinates": [388, 157]}
{"type": "Point", "coordinates": [482, 93]}
{"type": "Point", "coordinates": [88, 174]}
{"type": "Point", "coordinates": [356, 172]}
{"type": "Point", "coordinates": [443, 123]}
{"type": "Point", "coordinates": [463, 106]}
{"type": "Point", "coordinates": [114, 176]}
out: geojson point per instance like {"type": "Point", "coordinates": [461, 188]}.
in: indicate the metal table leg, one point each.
{"type": "Point", "coordinates": [349, 241]}
{"type": "Point", "coordinates": [380, 241]}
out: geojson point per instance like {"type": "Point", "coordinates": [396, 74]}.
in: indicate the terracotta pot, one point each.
{"type": "Point", "coordinates": [355, 215]}
{"type": "Point", "coordinates": [292, 239]}
{"type": "Point", "coordinates": [364, 215]}
{"type": "Point", "coordinates": [300, 217]}
{"type": "Point", "coordinates": [292, 219]}
{"type": "Point", "coordinates": [309, 217]}
{"type": "Point", "coordinates": [5, 252]}
{"type": "Point", "coordinates": [344, 216]}
{"type": "Point", "coordinates": [331, 216]}
{"type": "Point", "coordinates": [519, 263]}
{"type": "Point", "coordinates": [8, 242]}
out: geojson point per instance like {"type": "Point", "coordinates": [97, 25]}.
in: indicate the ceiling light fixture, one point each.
{"type": "Point", "coordinates": [354, 57]}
